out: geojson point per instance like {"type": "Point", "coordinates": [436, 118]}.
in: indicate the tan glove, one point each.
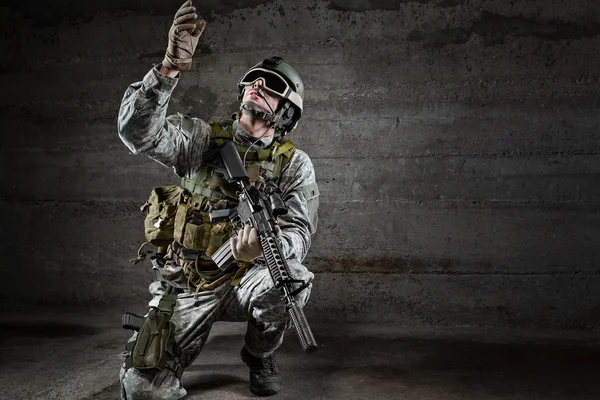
{"type": "Point", "coordinates": [183, 38]}
{"type": "Point", "coordinates": [246, 246]}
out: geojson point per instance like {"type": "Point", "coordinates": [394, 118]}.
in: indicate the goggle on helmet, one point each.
{"type": "Point", "coordinates": [279, 79]}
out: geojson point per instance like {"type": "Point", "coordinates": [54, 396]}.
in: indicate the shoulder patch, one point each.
{"type": "Point", "coordinates": [310, 191]}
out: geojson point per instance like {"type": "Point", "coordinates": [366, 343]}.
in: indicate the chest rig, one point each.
{"type": "Point", "coordinates": [195, 238]}
{"type": "Point", "coordinates": [209, 186]}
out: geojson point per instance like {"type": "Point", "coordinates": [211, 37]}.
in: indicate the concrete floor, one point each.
{"type": "Point", "coordinates": [77, 359]}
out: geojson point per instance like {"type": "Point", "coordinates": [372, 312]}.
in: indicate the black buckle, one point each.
{"type": "Point", "coordinates": [290, 281]}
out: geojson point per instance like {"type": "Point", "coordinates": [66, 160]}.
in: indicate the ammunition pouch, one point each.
{"type": "Point", "coordinates": [193, 229]}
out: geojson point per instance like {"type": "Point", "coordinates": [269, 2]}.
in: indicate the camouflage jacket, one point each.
{"type": "Point", "coordinates": [179, 142]}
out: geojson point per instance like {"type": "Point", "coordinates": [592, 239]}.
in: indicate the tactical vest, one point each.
{"type": "Point", "coordinates": [178, 218]}
{"type": "Point", "coordinates": [267, 163]}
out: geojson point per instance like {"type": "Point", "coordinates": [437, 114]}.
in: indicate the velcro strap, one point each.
{"type": "Point", "coordinates": [192, 186]}
{"type": "Point", "coordinates": [176, 61]}
{"type": "Point", "coordinates": [243, 267]}
{"type": "Point", "coordinates": [283, 148]}
{"type": "Point", "coordinates": [210, 194]}
{"type": "Point", "coordinates": [254, 154]}
{"type": "Point", "coordinates": [167, 301]}
{"type": "Point", "coordinates": [174, 365]}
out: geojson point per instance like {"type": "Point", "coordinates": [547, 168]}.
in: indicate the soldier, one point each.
{"type": "Point", "coordinates": [190, 289]}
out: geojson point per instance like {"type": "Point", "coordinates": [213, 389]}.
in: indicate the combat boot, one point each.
{"type": "Point", "coordinates": [264, 375]}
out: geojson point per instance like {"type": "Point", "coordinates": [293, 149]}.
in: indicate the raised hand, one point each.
{"type": "Point", "coordinates": [183, 38]}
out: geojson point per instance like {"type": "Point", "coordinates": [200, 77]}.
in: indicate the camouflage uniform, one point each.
{"type": "Point", "coordinates": [179, 142]}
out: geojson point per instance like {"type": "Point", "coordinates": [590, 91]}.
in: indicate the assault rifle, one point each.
{"type": "Point", "coordinates": [260, 209]}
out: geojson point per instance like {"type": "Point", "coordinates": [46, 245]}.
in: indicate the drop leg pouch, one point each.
{"type": "Point", "coordinates": [155, 338]}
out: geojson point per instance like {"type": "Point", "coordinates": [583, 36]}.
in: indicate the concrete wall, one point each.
{"type": "Point", "coordinates": [456, 144]}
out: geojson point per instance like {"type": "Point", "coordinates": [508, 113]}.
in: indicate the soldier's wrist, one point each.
{"type": "Point", "coordinates": [165, 70]}
{"type": "Point", "coordinates": [159, 83]}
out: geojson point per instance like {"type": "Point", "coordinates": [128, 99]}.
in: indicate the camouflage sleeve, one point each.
{"type": "Point", "coordinates": [301, 195]}
{"type": "Point", "coordinates": [176, 141]}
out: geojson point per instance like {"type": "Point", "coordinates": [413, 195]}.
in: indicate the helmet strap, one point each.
{"type": "Point", "coordinates": [252, 109]}
{"type": "Point", "coordinates": [281, 120]}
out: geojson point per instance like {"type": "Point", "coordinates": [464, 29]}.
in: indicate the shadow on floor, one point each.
{"type": "Point", "coordinates": [344, 367]}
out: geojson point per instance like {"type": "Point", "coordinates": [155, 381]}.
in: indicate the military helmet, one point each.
{"type": "Point", "coordinates": [282, 80]}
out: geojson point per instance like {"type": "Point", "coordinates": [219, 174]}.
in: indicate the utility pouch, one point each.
{"type": "Point", "coordinates": [218, 235]}
{"type": "Point", "coordinates": [154, 341]}
{"type": "Point", "coordinates": [192, 228]}
{"type": "Point", "coordinates": [161, 206]}
{"type": "Point", "coordinates": [192, 238]}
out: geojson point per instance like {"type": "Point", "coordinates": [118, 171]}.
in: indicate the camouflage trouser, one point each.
{"type": "Point", "coordinates": [254, 300]}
